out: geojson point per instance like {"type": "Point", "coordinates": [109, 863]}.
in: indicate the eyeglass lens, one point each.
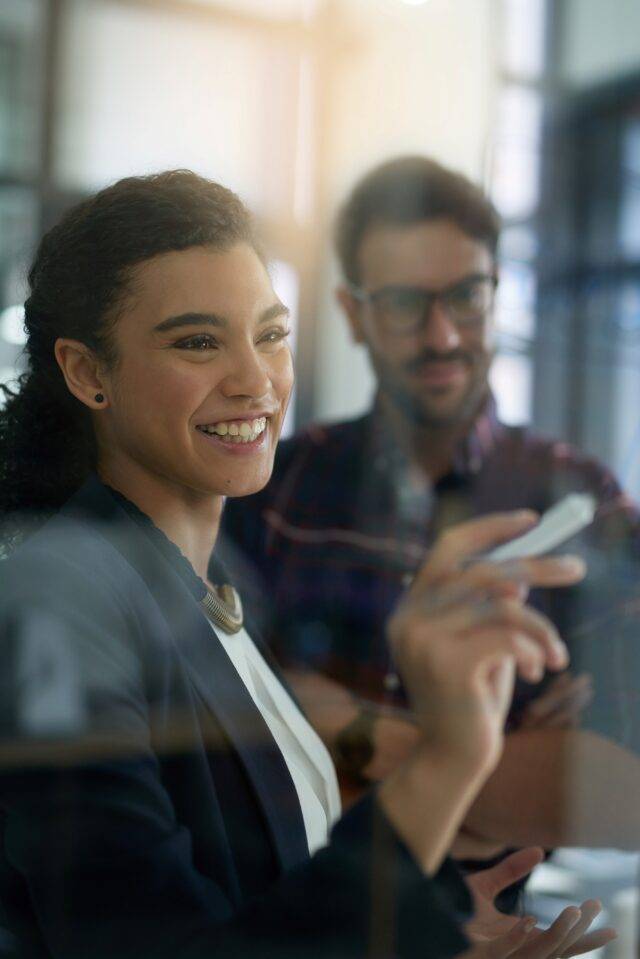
{"type": "Point", "coordinates": [406, 308]}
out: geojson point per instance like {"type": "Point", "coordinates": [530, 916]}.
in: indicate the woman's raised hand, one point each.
{"type": "Point", "coordinates": [463, 631]}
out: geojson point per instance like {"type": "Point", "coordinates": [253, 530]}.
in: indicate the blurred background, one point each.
{"type": "Point", "coordinates": [289, 101]}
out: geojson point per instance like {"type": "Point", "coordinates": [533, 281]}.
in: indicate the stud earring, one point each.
{"type": "Point", "coordinates": [99, 398]}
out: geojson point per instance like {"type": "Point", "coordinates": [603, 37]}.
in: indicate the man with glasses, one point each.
{"type": "Point", "coordinates": [417, 247]}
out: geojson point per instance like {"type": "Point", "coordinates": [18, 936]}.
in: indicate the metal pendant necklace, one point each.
{"type": "Point", "coordinates": [223, 606]}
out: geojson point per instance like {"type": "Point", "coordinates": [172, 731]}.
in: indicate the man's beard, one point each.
{"type": "Point", "coordinates": [418, 411]}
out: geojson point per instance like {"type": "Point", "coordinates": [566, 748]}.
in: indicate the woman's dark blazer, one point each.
{"type": "Point", "coordinates": [145, 810]}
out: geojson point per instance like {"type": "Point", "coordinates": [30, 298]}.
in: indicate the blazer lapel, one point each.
{"type": "Point", "coordinates": [219, 686]}
{"type": "Point", "coordinates": [209, 668]}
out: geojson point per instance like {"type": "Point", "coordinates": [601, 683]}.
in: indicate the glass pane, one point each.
{"type": "Point", "coordinates": [21, 62]}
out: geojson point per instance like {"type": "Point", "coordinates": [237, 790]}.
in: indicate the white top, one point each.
{"type": "Point", "coordinates": [306, 756]}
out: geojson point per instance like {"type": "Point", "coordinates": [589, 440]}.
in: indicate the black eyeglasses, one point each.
{"type": "Point", "coordinates": [406, 309]}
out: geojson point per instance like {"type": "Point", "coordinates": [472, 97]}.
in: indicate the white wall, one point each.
{"type": "Point", "coordinates": [145, 90]}
{"type": "Point", "coordinates": [407, 79]}
{"type": "Point", "coordinates": [601, 39]}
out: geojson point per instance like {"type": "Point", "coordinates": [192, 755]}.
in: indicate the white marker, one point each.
{"type": "Point", "coordinates": [558, 524]}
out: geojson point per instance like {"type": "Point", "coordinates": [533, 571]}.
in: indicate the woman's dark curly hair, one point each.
{"type": "Point", "coordinates": [79, 280]}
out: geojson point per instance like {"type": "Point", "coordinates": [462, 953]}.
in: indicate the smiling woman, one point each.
{"type": "Point", "coordinates": [158, 245]}
{"type": "Point", "coordinates": [217, 357]}
{"type": "Point", "coordinates": [161, 793]}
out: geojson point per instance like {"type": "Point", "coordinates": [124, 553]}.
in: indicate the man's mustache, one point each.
{"type": "Point", "coordinates": [418, 363]}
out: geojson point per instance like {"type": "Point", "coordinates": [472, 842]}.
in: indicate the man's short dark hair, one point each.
{"type": "Point", "coordinates": [405, 191]}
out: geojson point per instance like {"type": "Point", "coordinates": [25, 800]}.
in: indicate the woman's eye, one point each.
{"type": "Point", "coordinates": [274, 336]}
{"type": "Point", "coordinates": [203, 341]}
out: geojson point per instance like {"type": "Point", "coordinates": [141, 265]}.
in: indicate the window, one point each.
{"type": "Point", "coordinates": [515, 188]}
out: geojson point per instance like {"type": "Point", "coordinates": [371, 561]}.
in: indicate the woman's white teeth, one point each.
{"type": "Point", "coordinates": [244, 431]}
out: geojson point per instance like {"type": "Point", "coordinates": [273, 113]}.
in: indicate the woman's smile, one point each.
{"type": "Point", "coordinates": [237, 435]}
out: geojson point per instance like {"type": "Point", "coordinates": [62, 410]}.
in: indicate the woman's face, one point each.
{"type": "Point", "coordinates": [204, 373]}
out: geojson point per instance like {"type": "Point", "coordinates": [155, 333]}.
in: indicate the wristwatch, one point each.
{"type": "Point", "coordinates": [353, 747]}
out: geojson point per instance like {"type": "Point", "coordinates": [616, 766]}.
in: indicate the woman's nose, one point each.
{"type": "Point", "coordinates": [247, 375]}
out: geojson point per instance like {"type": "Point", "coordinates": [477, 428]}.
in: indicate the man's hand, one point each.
{"type": "Point", "coordinates": [561, 704]}
{"type": "Point", "coordinates": [496, 936]}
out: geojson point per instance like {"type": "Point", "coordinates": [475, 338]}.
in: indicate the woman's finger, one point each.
{"type": "Point", "coordinates": [462, 586]}
{"type": "Point", "coordinates": [488, 647]}
{"type": "Point", "coordinates": [546, 571]}
{"type": "Point", "coordinates": [468, 539]}
{"type": "Point", "coordinates": [508, 580]}
{"type": "Point", "coordinates": [527, 627]}
{"type": "Point", "coordinates": [533, 625]}
{"type": "Point", "coordinates": [523, 632]}
{"type": "Point", "coordinates": [543, 571]}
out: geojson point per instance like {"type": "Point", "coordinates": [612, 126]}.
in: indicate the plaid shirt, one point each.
{"type": "Point", "coordinates": [330, 544]}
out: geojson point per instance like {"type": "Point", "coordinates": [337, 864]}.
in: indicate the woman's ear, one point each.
{"type": "Point", "coordinates": [351, 307]}
{"type": "Point", "coordinates": [81, 370]}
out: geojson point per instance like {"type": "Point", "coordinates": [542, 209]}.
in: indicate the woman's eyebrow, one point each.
{"type": "Point", "coordinates": [212, 319]}
{"type": "Point", "coordinates": [273, 312]}
{"type": "Point", "coordinates": [190, 319]}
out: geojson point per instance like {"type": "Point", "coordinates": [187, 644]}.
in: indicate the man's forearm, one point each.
{"type": "Point", "coordinates": [560, 788]}
{"type": "Point", "coordinates": [553, 787]}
